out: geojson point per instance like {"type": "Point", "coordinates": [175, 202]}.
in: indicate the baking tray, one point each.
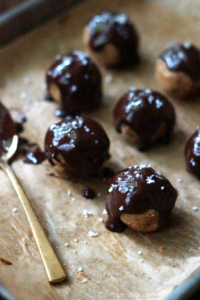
{"type": "Point", "coordinates": [14, 23]}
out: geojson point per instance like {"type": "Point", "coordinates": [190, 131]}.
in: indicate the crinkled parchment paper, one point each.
{"type": "Point", "coordinates": [111, 263]}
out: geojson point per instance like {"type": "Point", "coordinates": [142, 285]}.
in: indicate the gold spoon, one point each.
{"type": "Point", "coordinates": [54, 270]}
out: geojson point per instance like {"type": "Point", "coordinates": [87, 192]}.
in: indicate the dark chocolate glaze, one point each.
{"type": "Point", "coordinates": [192, 153]}
{"type": "Point", "coordinates": [183, 58]}
{"type": "Point", "coordinates": [89, 193]}
{"type": "Point", "coordinates": [144, 111]}
{"type": "Point", "coordinates": [7, 129]}
{"type": "Point", "coordinates": [116, 29]}
{"type": "Point", "coordinates": [136, 190]}
{"type": "Point", "coordinates": [80, 145]}
{"type": "Point", "coordinates": [32, 154]}
{"type": "Point", "coordinates": [78, 80]}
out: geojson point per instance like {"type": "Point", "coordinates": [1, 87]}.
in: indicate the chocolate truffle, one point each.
{"type": "Point", "coordinates": [192, 153]}
{"type": "Point", "coordinates": [80, 145]}
{"type": "Point", "coordinates": [145, 117]}
{"type": "Point", "coordinates": [139, 198]}
{"type": "Point", "coordinates": [178, 70]}
{"type": "Point", "coordinates": [7, 129]}
{"type": "Point", "coordinates": [74, 81]}
{"type": "Point", "coordinates": [111, 39]}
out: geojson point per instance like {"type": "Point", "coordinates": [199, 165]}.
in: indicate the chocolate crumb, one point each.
{"type": "Point", "coordinates": [5, 262]}
{"type": "Point", "coordinates": [89, 193]}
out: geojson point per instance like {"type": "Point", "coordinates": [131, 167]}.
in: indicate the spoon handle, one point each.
{"type": "Point", "coordinates": [54, 270]}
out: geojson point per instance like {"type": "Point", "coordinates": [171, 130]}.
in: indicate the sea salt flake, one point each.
{"type": "Point", "coordinates": [121, 207]}
{"type": "Point", "coordinates": [109, 78]}
{"type": "Point", "coordinates": [92, 233]}
{"type": "Point", "coordinates": [100, 220]}
{"type": "Point", "coordinates": [74, 250]}
{"type": "Point", "coordinates": [68, 193]}
{"type": "Point", "coordinates": [149, 180]}
{"type": "Point", "coordinates": [84, 280]}
{"type": "Point", "coordinates": [195, 208]}
{"type": "Point", "coordinates": [162, 187]}
{"type": "Point", "coordinates": [66, 244]}
{"type": "Point", "coordinates": [104, 212]}
{"type": "Point", "coordinates": [179, 180]}
{"type": "Point", "coordinates": [80, 269]}
{"type": "Point", "coordinates": [139, 252]}
{"type": "Point", "coordinates": [15, 209]}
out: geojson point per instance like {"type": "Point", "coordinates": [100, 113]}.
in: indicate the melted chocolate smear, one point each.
{"type": "Point", "coordinates": [33, 155]}
{"type": "Point", "coordinates": [136, 190]}
{"type": "Point", "coordinates": [19, 127]}
{"type": "Point", "coordinates": [107, 173]}
{"type": "Point", "coordinates": [192, 154]}
{"type": "Point", "coordinates": [5, 262]}
{"type": "Point", "coordinates": [89, 193]}
{"type": "Point", "coordinates": [7, 129]}
{"type": "Point", "coordinates": [183, 58]}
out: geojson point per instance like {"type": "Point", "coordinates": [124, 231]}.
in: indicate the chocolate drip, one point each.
{"type": "Point", "coordinates": [89, 193]}
{"type": "Point", "coordinates": [144, 111]}
{"type": "Point", "coordinates": [192, 153]}
{"type": "Point", "coordinates": [32, 154]}
{"type": "Point", "coordinates": [183, 58]}
{"type": "Point", "coordinates": [136, 190]}
{"type": "Point", "coordinates": [7, 129]}
{"type": "Point", "coordinates": [116, 29]}
{"type": "Point", "coordinates": [80, 145]}
{"type": "Point", "coordinates": [79, 83]}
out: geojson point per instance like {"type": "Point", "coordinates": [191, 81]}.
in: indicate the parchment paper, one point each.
{"type": "Point", "coordinates": [111, 263]}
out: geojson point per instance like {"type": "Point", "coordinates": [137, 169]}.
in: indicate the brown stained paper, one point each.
{"type": "Point", "coordinates": [112, 265]}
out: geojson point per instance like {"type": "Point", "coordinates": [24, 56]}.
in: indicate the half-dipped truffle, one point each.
{"type": "Point", "coordinates": [141, 198]}
{"type": "Point", "coordinates": [192, 153]}
{"type": "Point", "coordinates": [178, 70]}
{"type": "Point", "coordinates": [80, 145]}
{"type": "Point", "coordinates": [145, 117]}
{"type": "Point", "coordinates": [74, 81]}
{"type": "Point", "coordinates": [111, 39]}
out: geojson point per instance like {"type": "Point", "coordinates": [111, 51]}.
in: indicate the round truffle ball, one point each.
{"type": "Point", "coordinates": [74, 81]}
{"type": "Point", "coordinates": [192, 153]}
{"type": "Point", "coordinates": [111, 40]}
{"type": "Point", "coordinates": [141, 198]}
{"type": "Point", "coordinates": [178, 70]}
{"type": "Point", "coordinates": [145, 117]}
{"type": "Point", "coordinates": [80, 145]}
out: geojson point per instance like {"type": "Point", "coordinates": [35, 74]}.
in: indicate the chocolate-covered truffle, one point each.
{"type": "Point", "coordinates": [178, 70]}
{"type": "Point", "coordinates": [80, 145]}
{"type": "Point", "coordinates": [145, 117]}
{"type": "Point", "coordinates": [74, 81]}
{"type": "Point", "coordinates": [111, 39]}
{"type": "Point", "coordinates": [141, 198]}
{"type": "Point", "coordinates": [192, 153]}
{"type": "Point", "coordinates": [7, 129]}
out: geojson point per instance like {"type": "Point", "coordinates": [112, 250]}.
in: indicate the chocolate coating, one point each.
{"type": "Point", "coordinates": [115, 29]}
{"type": "Point", "coordinates": [78, 81]}
{"type": "Point", "coordinates": [80, 145]}
{"type": "Point", "coordinates": [7, 129]}
{"type": "Point", "coordinates": [144, 111]}
{"type": "Point", "coordinates": [183, 58]}
{"type": "Point", "coordinates": [136, 190]}
{"type": "Point", "coordinates": [192, 153]}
